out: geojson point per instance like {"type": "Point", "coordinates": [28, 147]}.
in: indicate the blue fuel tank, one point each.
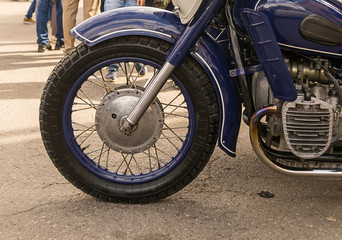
{"type": "Point", "coordinates": [310, 26]}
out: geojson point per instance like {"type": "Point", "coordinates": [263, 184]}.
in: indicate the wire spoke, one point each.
{"type": "Point", "coordinates": [81, 130]}
{"type": "Point", "coordinates": [173, 128]}
{"type": "Point", "coordinates": [102, 80]}
{"type": "Point", "coordinates": [177, 106]}
{"type": "Point", "coordinates": [87, 137]}
{"type": "Point", "coordinates": [149, 159]}
{"type": "Point", "coordinates": [155, 149]}
{"type": "Point", "coordinates": [107, 160]}
{"type": "Point", "coordinates": [127, 164]}
{"type": "Point", "coordinates": [86, 130]}
{"type": "Point", "coordinates": [91, 104]}
{"type": "Point", "coordinates": [136, 78]}
{"type": "Point", "coordinates": [159, 150]}
{"type": "Point", "coordinates": [176, 136]}
{"type": "Point", "coordinates": [167, 88]}
{"type": "Point", "coordinates": [105, 86]}
{"type": "Point", "coordinates": [156, 158]}
{"type": "Point", "coordinates": [141, 169]}
{"type": "Point", "coordinates": [75, 123]}
{"type": "Point", "coordinates": [173, 114]}
{"type": "Point", "coordinates": [98, 162]}
{"type": "Point", "coordinates": [170, 141]}
{"type": "Point", "coordinates": [167, 105]}
{"type": "Point", "coordinates": [128, 73]}
{"type": "Point", "coordinates": [82, 109]}
{"type": "Point", "coordinates": [94, 151]}
{"type": "Point", "coordinates": [82, 104]}
{"type": "Point", "coordinates": [179, 137]}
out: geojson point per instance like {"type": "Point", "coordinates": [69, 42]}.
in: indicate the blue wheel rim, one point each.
{"type": "Point", "coordinates": [102, 172]}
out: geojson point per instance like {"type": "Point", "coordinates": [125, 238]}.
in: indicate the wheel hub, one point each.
{"type": "Point", "coordinates": [112, 113]}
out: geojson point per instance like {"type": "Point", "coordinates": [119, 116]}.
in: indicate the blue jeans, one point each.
{"type": "Point", "coordinates": [43, 10]}
{"type": "Point", "coordinates": [31, 10]}
{"type": "Point", "coordinates": [113, 4]}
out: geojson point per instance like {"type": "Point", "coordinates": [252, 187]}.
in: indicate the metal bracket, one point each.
{"type": "Point", "coordinates": [245, 70]}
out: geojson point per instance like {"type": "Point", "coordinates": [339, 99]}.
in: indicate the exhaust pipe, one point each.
{"type": "Point", "coordinates": [255, 140]}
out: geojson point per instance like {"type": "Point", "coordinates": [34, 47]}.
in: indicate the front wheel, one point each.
{"type": "Point", "coordinates": [86, 100]}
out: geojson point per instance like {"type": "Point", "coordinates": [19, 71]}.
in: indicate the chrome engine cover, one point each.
{"type": "Point", "coordinates": [307, 127]}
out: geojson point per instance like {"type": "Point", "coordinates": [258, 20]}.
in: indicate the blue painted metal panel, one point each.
{"type": "Point", "coordinates": [145, 21]}
{"type": "Point", "coordinates": [269, 54]}
{"type": "Point", "coordinates": [212, 57]}
{"type": "Point", "coordinates": [193, 31]}
{"type": "Point", "coordinates": [286, 16]}
{"type": "Point", "coordinates": [211, 54]}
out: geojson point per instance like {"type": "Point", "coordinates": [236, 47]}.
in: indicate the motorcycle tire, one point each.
{"type": "Point", "coordinates": [84, 103]}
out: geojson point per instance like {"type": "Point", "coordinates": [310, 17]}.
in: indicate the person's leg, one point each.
{"type": "Point", "coordinates": [59, 34]}
{"type": "Point", "coordinates": [70, 8]}
{"type": "Point", "coordinates": [141, 68]}
{"type": "Point", "coordinates": [130, 3]}
{"type": "Point", "coordinates": [50, 11]}
{"type": "Point", "coordinates": [53, 18]}
{"type": "Point", "coordinates": [149, 3]}
{"type": "Point", "coordinates": [42, 19]}
{"type": "Point", "coordinates": [31, 10]}
{"type": "Point", "coordinates": [113, 4]}
{"type": "Point", "coordinates": [109, 5]}
{"type": "Point", "coordinates": [102, 6]}
{"type": "Point", "coordinates": [112, 72]}
{"type": "Point", "coordinates": [87, 5]}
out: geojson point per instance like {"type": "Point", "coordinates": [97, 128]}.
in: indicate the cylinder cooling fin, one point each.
{"type": "Point", "coordinates": [307, 127]}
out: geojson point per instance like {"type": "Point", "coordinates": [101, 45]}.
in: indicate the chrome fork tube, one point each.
{"type": "Point", "coordinates": [255, 140]}
{"type": "Point", "coordinates": [153, 87]}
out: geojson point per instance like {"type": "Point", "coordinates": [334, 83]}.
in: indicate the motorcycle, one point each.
{"type": "Point", "coordinates": [134, 112]}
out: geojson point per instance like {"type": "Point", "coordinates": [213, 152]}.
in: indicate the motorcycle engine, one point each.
{"type": "Point", "coordinates": [311, 125]}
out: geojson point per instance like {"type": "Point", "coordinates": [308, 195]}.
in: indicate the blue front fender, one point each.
{"type": "Point", "coordinates": [139, 21]}
{"type": "Point", "coordinates": [165, 25]}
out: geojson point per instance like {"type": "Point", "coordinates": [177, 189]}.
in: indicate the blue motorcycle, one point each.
{"type": "Point", "coordinates": [134, 112]}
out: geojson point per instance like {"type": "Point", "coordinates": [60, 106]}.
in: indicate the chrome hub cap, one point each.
{"type": "Point", "coordinates": [111, 114]}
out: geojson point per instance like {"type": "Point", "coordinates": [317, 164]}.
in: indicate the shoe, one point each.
{"type": "Point", "coordinates": [42, 47]}
{"type": "Point", "coordinates": [112, 75]}
{"type": "Point", "coordinates": [141, 68]}
{"type": "Point", "coordinates": [29, 21]}
{"type": "Point", "coordinates": [59, 44]}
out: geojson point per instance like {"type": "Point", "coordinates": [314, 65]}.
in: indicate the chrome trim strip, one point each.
{"type": "Point", "coordinates": [222, 103]}
{"type": "Point", "coordinates": [256, 5]}
{"type": "Point", "coordinates": [308, 49]}
{"type": "Point", "coordinates": [121, 31]}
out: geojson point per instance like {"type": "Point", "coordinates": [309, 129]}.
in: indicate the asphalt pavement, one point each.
{"type": "Point", "coordinates": [36, 202]}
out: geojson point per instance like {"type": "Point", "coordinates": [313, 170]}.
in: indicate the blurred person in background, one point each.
{"type": "Point", "coordinates": [28, 17]}
{"type": "Point", "coordinates": [113, 4]}
{"type": "Point", "coordinates": [70, 9]}
{"type": "Point", "coordinates": [165, 4]}
{"type": "Point", "coordinates": [43, 12]}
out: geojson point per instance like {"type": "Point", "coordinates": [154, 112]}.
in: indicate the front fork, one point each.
{"type": "Point", "coordinates": [152, 89]}
{"type": "Point", "coordinates": [176, 56]}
